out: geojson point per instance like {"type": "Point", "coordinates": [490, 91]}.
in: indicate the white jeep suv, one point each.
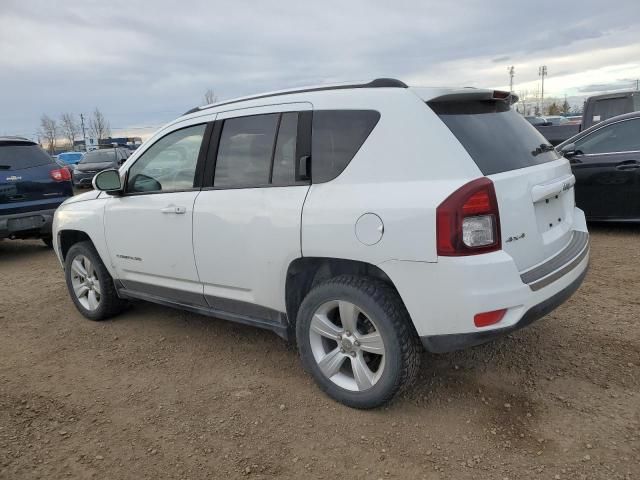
{"type": "Point", "coordinates": [365, 221]}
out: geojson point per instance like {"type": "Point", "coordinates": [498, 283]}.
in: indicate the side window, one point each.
{"type": "Point", "coordinates": [619, 137]}
{"type": "Point", "coordinates": [245, 151]}
{"type": "Point", "coordinates": [285, 153]}
{"type": "Point", "coordinates": [337, 136]}
{"type": "Point", "coordinates": [169, 164]}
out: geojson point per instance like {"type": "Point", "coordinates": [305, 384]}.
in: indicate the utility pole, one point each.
{"type": "Point", "coordinates": [542, 72]}
{"type": "Point", "coordinates": [512, 72]}
{"type": "Point", "coordinates": [84, 136]}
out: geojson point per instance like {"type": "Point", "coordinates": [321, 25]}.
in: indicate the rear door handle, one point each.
{"type": "Point", "coordinates": [628, 166]}
{"type": "Point", "coordinates": [174, 209]}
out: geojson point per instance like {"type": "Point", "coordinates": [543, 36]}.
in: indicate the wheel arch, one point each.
{"type": "Point", "coordinates": [304, 273]}
{"type": "Point", "coordinates": [68, 237]}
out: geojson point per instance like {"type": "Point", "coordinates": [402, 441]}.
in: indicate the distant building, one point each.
{"type": "Point", "coordinates": [94, 144]}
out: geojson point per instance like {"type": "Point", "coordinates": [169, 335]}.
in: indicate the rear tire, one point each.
{"type": "Point", "coordinates": [90, 286]}
{"type": "Point", "coordinates": [365, 361]}
{"type": "Point", "coordinates": [48, 241]}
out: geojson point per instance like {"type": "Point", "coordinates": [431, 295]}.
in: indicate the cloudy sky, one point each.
{"type": "Point", "coordinates": [146, 62]}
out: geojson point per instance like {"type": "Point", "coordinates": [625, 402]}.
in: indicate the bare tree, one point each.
{"type": "Point", "coordinates": [566, 107]}
{"type": "Point", "coordinates": [210, 97]}
{"type": "Point", "coordinates": [552, 106]}
{"type": "Point", "coordinates": [522, 101]}
{"type": "Point", "coordinates": [98, 125]}
{"type": "Point", "coordinates": [535, 100]}
{"type": "Point", "coordinates": [69, 128]}
{"type": "Point", "coordinates": [553, 109]}
{"type": "Point", "coordinates": [49, 131]}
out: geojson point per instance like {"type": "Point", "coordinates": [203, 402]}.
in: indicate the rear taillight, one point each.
{"type": "Point", "coordinates": [60, 174]}
{"type": "Point", "coordinates": [468, 221]}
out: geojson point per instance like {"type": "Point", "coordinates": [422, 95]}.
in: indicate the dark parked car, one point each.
{"type": "Point", "coordinates": [538, 121]}
{"type": "Point", "coordinates": [557, 119]}
{"type": "Point", "coordinates": [96, 161]}
{"type": "Point", "coordinates": [605, 160]}
{"type": "Point", "coordinates": [32, 186]}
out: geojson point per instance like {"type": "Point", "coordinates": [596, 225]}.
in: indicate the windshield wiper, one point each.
{"type": "Point", "coordinates": [544, 147]}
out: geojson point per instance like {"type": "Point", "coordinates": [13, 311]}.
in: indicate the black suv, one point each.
{"type": "Point", "coordinates": [96, 161]}
{"type": "Point", "coordinates": [32, 185]}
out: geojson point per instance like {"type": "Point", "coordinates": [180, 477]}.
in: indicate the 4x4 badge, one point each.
{"type": "Point", "coordinates": [517, 237]}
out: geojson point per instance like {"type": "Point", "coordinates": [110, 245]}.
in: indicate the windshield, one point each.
{"type": "Point", "coordinates": [100, 156]}
{"type": "Point", "coordinates": [495, 136]}
{"type": "Point", "coordinates": [15, 156]}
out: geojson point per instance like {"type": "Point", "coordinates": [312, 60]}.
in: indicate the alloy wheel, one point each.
{"type": "Point", "coordinates": [85, 282]}
{"type": "Point", "coordinates": [347, 345]}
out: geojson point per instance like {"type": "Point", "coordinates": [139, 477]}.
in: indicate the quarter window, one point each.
{"type": "Point", "coordinates": [169, 164]}
{"type": "Point", "coordinates": [337, 137]}
{"type": "Point", "coordinates": [618, 137]}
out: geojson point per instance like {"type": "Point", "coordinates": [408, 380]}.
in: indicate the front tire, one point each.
{"type": "Point", "coordinates": [90, 286]}
{"type": "Point", "coordinates": [356, 339]}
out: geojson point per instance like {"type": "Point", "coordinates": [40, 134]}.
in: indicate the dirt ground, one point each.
{"type": "Point", "coordinates": [158, 393]}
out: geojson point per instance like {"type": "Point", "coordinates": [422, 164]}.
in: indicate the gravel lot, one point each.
{"type": "Point", "coordinates": [158, 393]}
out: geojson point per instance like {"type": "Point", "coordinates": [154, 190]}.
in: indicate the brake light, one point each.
{"type": "Point", "coordinates": [488, 318]}
{"type": "Point", "coordinates": [468, 221]}
{"type": "Point", "coordinates": [60, 174]}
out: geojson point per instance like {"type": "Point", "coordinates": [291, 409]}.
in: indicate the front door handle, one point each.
{"type": "Point", "coordinates": [174, 209]}
{"type": "Point", "coordinates": [628, 166]}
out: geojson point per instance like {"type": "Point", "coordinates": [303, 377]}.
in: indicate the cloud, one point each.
{"type": "Point", "coordinates": [144, 63]}
{"type": "Point", "coordinates": [621, 84]}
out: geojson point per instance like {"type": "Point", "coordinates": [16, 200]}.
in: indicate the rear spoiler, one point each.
{"type": "Point", "coordinates": [470, 94]}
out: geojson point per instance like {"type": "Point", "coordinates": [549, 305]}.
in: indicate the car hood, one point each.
{"type": "Point", "coordinates": [95, 166]}
{"type": "Point", "coordinates": [83, 197]}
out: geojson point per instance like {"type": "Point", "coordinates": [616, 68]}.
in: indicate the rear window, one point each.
{"type": "Point", "coordinates": [99, 156]}
{"type": "Point", "coordinates": [337, 136]}
{"type": "Point", "coordinates": [495, 136]}
{"type": "Point", "coordinates": [15, 156]}
{"type": "Point", "coordinates": [611, 107]}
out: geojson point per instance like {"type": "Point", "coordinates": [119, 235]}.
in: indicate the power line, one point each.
{"type": "Point", "coordinates": [512, 73]}
{"type": "Point", "coordinates": [84, 135]}
{"type": "Point", "coordinates": [542, 72]}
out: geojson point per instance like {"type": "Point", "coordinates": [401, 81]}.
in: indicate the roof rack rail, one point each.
{"type": "Point", "coordinates": [377, 83]}
{"type": "Point", "coordinates": [14, 138]}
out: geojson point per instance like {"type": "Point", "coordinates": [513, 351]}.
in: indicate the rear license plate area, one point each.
{"type": "Point", "coordinates": [555, 212]}
{"type": "Point", "coordinates": [25, 223]}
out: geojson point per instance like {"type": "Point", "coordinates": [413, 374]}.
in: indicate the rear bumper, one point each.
{"type": "Point", "coordinates": [443, 297]}
{"type": "Point", "coordinates": [27, 224]}
{"type": "Point", "coordinates": [449, 343]}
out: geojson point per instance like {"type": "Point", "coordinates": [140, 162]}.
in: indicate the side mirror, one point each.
{"type": "Point", "coordinates": [569, 150]}
{"type": "Point", "coordinates": [108, 181]}
{"type": "Point", "coordinates": [547, 124]}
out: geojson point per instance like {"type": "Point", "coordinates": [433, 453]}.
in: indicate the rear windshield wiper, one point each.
{"type": "Point", "coordinates": [544, 147]}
